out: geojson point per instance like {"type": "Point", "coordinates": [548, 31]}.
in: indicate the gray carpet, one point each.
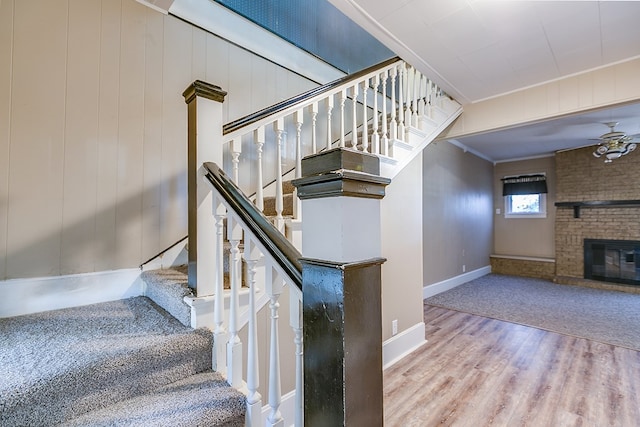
{"type": "Point", "coordinates": [167, 288]}
{"type": "Point", "coordinates": [58, 365]}
{"type": "Point", "coordinates": [606, 316]}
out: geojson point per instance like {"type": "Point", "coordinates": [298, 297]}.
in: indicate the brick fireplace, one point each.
{"type": "Point", "coordinates": [582, 178]}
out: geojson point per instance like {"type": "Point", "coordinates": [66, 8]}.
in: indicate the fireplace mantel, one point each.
{"type": "Point", "coordinates": [597, 204]}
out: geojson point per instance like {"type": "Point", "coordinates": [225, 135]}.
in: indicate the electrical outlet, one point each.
{"type": "Point", "coordinates": [498, 211]}
{"type": "Point", "coordinates": [394, 327]}
{"type": "Point", "coordinates": [464, 268]}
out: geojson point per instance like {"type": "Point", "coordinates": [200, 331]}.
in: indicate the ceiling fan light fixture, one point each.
{"type": "Point", "coordinates": [614, 144]}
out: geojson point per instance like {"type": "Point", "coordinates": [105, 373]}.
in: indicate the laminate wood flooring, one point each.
{"type": "Point", "coordinates": [475, 371]}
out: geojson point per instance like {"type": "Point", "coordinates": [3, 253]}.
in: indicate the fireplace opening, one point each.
{"type": "Point", "coordinates": [612, 261]}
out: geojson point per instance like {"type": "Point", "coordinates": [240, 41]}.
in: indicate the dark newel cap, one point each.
{"type": "Point", "coordinates": [341, 172]}
{"type": "Point", "coordinates": [339, 159]}
{"type": "Point", "coordinates": [204, 90]}
{"type": "Point", "coordinates": [341, 183]}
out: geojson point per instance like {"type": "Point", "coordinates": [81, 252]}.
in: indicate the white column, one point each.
{"type": "Point", "coordinates": [259, 140]}
{"type": "Point", "coordinates": [385, 131]}
{"type": "Point", "coordinates": [329, 102]}
{"type": "Point", "coordinates": [394, 123]}
{"type": "Point", "coordinates": [279, 220]}
{"type": "Point", "coordinates": [274, 289]}
{"type": "Point", "coordinates": [354, 127]}
{"type": "Point", "coordinates": [254, 398]}
{"type": "Point", "coordinates": [365, 123]}
{"type": "Point", "coordinates": [343, 98]}
{"type": "Point", "coordinates": [236, 150]}
{"type": "Point", "coordinates": [298, 118]}
{"type": "Point", "coordinates": [234, 345]}
{"type": "Point", "coordinates": [295, 320]}
{"type": "Point", "coordinates": [375, 136]}
{"type": "Point", "coordinates": [313, 108]}
{"type": "Point", "coordinates": [219, 331]}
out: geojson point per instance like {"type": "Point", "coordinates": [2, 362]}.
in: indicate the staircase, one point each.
{"type": "Point", "coordinates": [121, 363]}
{"type": "Point", "coordinates": [131, 362]}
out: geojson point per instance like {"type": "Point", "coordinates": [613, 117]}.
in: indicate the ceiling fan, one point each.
{"type": "Point", "coordinates": [614, 144]}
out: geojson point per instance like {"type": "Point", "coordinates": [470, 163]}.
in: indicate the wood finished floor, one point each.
{"type": "Point", "coordinates": [476, 372]}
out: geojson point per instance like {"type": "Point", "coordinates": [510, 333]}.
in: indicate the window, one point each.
{"type": "Point", "coordinates": [525, 206]}
{"type": "Point", "coordinates": [525, 196]}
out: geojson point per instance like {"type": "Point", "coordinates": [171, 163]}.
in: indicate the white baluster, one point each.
{"type": "Point", "coordinates": [279, 129]}
{"type": "Point", "coordinates": [236, 150]}
{"type": "Point", "coordinates": [234, 346]}
{"type": "Point", "coordinates": [254, 398]}
{"type": "Point", "coordinates": [258, 140]}
{"type": "Point", "coordinates": [401, 91]}
{"type": "Point", "coordinates": [421, 104]}
{"type": "Point", "coordinates": [219, 332]}
{"type": "Point", "coordinates": [414, 97]}
{"type": "Point", "coordinates": [375, 136]}
{"type": "Point", "coordinates": [385, 131]}
{"type": "Point", "coordinates": [354, 127]}
{"type": "Point", "coordinates": [314, 116]}
{"type": "Point", "coordinates": [343, 98]}
{"type": "Point", "coordinates": [329, 110]}
{"type": "Point", "coordinates": [365, 123]}
{"type": "Point", "coordinates": [295, 319]}
{"type": "Point", "coordinates": [274, 289]}
{"type": "Point", "coordinates": [298, 118]}
{"type": "Point", "coordinates": [394, 122]}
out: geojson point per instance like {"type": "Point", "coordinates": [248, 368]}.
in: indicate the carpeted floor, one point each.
{"type": "Point", "coordinates": [606, 316]}
{"type": "Point", "coordinates": [125, 362]}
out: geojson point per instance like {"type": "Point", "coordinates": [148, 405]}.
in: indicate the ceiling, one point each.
{"type": "Point", "coordinates": [480, 49]}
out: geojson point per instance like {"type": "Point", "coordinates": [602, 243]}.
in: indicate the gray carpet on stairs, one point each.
{"type": "Point", "coordinates": [167, 288]}
{"type": "Point", "coordinates": [199, 400]}
{"type": "Point", "coordinates": [601, 315]}
{"type": "Point", "coordinates": [58, 365]}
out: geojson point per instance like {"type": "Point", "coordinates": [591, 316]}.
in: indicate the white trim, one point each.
{"type": "Point", "coordinates": [33, 295]}
{"type": "Point", "coordinates": [400, 345]}
{"type": "Point", "coordinates": [445, 285]}
{"type": "Point", "coordinates": [287, 409]}
{"type": "Point", "coordinates": [465, 149]}
{"type": "Point", "coordinates": [221, 21]}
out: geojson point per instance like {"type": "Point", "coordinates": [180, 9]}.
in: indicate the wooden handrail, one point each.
{"type": "Point", "coordinates": [288, 103]}
{"type": "Point", "coordinates": [284, 253]}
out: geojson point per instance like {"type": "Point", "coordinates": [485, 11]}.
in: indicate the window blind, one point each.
{"type": "Point", "coordinates": [524, 184]}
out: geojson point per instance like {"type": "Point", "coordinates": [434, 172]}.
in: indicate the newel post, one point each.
{"type": "Point", "coordinates": [204, 124]}
{"type": "Point", "coordinates": [341, 192]}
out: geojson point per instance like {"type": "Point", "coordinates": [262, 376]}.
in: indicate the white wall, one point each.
{"type": "Point", "coordinates": [457, 212]}
{"type": "Point", "coordinates": [401, 218]}
{"type": "Point", "coordinates": [93, 129]}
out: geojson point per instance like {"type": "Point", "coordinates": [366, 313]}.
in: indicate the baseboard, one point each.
{"type": "Point", "coordinates": [445, 285]}
{"type": "Point", "coordinates": [34, 295]}
{"type": "Point", "coordinates": [400, 345]}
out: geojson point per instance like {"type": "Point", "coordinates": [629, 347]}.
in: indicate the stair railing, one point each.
{"type": "Point", "coordinates": [272, 263]}
{"type": "Point", "coordinates": [365, 111]}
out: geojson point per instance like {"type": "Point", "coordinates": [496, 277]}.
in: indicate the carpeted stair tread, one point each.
{"type": "Point", "coordinates": [200, 400]}
{"type": "Point", "coordinates": [59, 364]}
{"type": "Point", "coordinates": [167, 288]}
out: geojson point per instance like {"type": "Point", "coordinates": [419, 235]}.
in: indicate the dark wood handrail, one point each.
{"type": "Point", "coordinates": [285, 254]}
{"type": "Point", "coordinates": [258, 115]}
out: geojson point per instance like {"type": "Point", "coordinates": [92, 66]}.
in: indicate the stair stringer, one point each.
{"type": "Point", "coordinates": [418, 139]}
